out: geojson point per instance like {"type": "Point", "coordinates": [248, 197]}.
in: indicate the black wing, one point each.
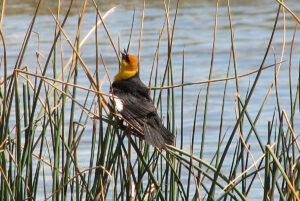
{"type": "Point", "coordinates": [137, 103]}
{"type": "Point", "coordinates": [139, 110]}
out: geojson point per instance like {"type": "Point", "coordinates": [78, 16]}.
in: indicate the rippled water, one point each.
{"type": "Point", "coordinates": [252, 23]}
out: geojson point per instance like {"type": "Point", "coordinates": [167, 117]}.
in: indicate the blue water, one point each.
{"type": "Point", "coordinates": [252, 24]}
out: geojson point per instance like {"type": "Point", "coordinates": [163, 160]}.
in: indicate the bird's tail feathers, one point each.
{"type": "Point", "coordinates": [158, 137]}
{"type": "Point", "coordinates": [168, 136]}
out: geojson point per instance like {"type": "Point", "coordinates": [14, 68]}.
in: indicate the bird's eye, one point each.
{"type": "Point", "coordinates": [126, 58]}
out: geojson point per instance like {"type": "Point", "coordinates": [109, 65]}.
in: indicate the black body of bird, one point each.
{"type": "Point", "coordinates": [136, 106]}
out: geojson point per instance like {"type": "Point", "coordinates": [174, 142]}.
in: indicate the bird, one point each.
{"type": "Point", "coordinates": [131, 98]}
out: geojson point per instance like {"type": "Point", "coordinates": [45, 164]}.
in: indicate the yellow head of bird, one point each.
{"type": "Point", "coordinates": [129, 67]}
{"type": "Point", "coordinates": [129, 62]}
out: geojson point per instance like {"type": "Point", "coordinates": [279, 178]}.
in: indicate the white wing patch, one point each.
{"type": "Point", "coordinates": [118, 103]}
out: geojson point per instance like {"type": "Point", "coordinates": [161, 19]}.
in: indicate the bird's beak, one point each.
{"type": "Point", "coordinates": [124, 54]}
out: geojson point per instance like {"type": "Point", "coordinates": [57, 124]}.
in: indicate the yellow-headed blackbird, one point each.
{"type": "Point", "coordinates": [132, 100]}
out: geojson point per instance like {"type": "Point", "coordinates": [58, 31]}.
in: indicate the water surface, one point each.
{"type": "Point", "coordinates": [252, 23]}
